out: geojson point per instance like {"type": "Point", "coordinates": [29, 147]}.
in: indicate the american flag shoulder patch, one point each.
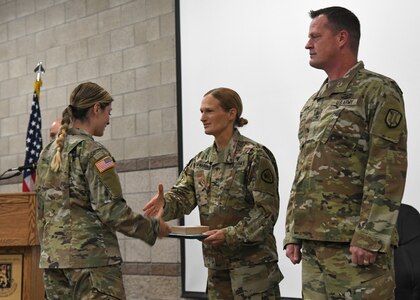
{"type": "Point", "coordinates": [105, 163]}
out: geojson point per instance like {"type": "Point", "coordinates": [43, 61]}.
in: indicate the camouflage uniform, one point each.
{"type": "Point", "coordinates": [235, 189]}
{"type": "Point", "coordinates": [101, 283]}
{"type": "Point", "coordinates": [351, 169]}
{"type": "Point", "coordinates": [80, 209]}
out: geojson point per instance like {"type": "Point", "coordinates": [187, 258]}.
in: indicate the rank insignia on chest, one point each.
{"type": "Point", "coordinates": [104, 164]}
{"type": "Point", "coordinates": [393, 118]}
{"type": "Point", "coordinates": [317, 114]}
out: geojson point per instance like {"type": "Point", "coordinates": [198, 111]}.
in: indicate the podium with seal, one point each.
{"type": "Point", "coordinates": [20, 276]}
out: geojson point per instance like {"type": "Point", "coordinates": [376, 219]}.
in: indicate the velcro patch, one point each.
{"type": "Point", "coordinates": [267, 176]}
{"type": "Point", "coordinates": [105, 163]}
{"type": "Point", "coordinates": [393, 118]}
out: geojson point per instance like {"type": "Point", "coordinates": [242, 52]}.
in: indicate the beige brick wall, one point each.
{"type": "Point", "coordinates": [128, 47]}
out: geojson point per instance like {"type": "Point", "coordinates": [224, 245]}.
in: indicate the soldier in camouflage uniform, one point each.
{"type": "Point", "coordinates": [350, 172]}
{"type": "Point", "coordinates": [81, 205]}
{"type": "Point", "coordinates": [234, 183]}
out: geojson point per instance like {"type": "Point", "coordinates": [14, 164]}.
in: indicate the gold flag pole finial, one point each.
{"type": "Point", "coordinates": [39, 69]}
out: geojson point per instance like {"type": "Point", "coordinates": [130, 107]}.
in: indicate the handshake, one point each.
{"type": "Point", "coordinates": [154, 209]}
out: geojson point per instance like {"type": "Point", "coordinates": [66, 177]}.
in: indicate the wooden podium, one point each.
{"type": "Point", "coordinates": [19, 248]}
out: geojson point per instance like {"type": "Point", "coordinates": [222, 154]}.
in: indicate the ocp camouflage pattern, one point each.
{"type": "Point", "coordinates": [99, 283]}
{"type": "Point", "coordinates": [235, 189]}
{"type": "Point", "coordinates": [327, 273]}
{"type": "Point", "coordinates": [351, 168]}
{"type": "Point", "coordinates": [80, 208]}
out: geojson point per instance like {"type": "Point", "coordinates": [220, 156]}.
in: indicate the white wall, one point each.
{"type": "Point", "coordinates": [256, 47]}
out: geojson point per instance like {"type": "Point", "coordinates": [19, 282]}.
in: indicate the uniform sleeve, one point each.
{"type": "Point", "coordinates": [180, 200]}
{"type": "Point", "coordinates": [289, 239]}
{"type": "Point", "coordinates": [40, 198]}
{"type": "Point", "coordinates": [385, 173]}
{"type": "Point", "coordinates": [290, 222]}
{"type": "Point", "coordinates": [262, 184]}
{"type": "Point", "coordinates": [41, 173]}
{"type": "Point", "coordinates": [108, 202]}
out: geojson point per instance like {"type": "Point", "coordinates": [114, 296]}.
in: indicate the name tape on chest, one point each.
{"type": "Point", "coordinates": [104, 164]}
{"type": "Point", "coordinates": [346, 102]}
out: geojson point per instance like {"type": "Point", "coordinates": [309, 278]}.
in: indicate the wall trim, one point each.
{"type": "Point", "coordinates": [127, 165]}
{"type": "Point", "coordinates": [153, 269]}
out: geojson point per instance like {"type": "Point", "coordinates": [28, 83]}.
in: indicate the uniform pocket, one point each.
{"type": "Point", "coordinates": [381, 287]}
{"type": "Point", "coordinates": [252, 280]}
{"type": "Point", "coordinates": [107, 281]}
{"type": "Point", "coordinates": [343, 132]}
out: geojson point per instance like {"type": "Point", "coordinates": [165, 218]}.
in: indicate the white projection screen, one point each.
{"type": "Point", "coordinates": [257, 48]}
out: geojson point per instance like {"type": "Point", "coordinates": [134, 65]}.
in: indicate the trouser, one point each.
{"type": "Point", "coordinates": [328, 273]}
{"type": "Point", "coordinates": [259, 282]}
{"type": "Point", "coordinates": [82, 284]}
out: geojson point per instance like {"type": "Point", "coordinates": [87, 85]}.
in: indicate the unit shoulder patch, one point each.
{"type": "Point", "coordinates": [393, 118]}
{"type": "Point", "coordinates": [267, 176]}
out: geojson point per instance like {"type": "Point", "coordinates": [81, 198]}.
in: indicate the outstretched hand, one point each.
{"type": "Point", "coordinates": [154, 208]}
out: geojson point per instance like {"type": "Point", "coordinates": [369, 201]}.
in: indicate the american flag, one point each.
{"type": "Point", "coordinates": [105, 164]}
{"type": "Point", "coordinates": [33, 141]}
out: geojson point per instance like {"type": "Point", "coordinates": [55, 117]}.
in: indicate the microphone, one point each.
{"type": "Point", "coordinates": [25, 167]}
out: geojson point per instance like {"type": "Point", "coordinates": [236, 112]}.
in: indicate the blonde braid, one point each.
{"type": "Point", "coordinates": [61, 136]}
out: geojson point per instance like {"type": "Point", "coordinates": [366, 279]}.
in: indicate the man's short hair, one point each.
{"type": "Point", "coordinates": [340, 18]}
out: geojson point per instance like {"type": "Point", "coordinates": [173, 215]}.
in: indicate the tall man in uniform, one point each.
{"type": "Point", "coordinates": [351, 170]}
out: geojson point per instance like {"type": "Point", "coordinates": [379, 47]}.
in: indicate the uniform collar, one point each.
{"type": "Point", "coordinates": [226, 155]}
{"type": "Point", "coordinates": [78, 131]}
{"type": "Point", "coordinates": [340, 85]}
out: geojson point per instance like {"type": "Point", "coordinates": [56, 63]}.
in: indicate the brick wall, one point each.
{"type": "Point", "coordinates": [128, 47]}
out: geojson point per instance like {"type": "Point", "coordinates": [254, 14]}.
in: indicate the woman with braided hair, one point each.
{"type": "Point", "coordinates": [81, 205]}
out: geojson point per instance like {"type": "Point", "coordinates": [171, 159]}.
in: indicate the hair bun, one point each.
{"type": "Point", "coordinates": [242, 122]}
